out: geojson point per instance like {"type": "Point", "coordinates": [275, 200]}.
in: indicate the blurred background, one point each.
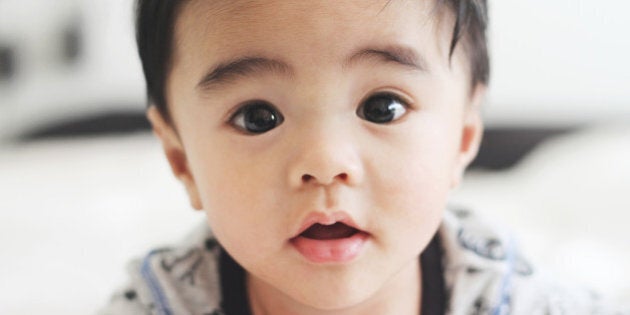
{"type": "Point", "coordinates": [84, 186]}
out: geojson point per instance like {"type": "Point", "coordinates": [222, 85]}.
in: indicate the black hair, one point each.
{"type": "Point", "coordinates": [155, 25]}
{"type": "Point", "coordinates": [471, 24]}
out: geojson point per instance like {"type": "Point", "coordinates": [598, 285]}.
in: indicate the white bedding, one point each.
{"type": "Point", "coordinates": [74, 211]}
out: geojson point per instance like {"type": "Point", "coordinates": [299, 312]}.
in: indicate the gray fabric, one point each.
{"type": "Point", "coordinates": [484, 273]}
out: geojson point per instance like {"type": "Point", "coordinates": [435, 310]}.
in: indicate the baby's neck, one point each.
{"type": "Point", "coordinates": [400, 296]}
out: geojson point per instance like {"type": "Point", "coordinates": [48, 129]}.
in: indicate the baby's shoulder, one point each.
{"type": "Point", "coordinates": [181, 279]}
{"type": "Point", "coordinates": [485, 272]}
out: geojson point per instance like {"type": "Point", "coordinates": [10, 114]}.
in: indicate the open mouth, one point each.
{"type": "Point", "coordinates": [329, 232]}
{"type": "Point", "coordinates": [333, 243]}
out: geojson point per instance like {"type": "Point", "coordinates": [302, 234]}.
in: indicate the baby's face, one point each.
{"type": "Point", "coordinates": [291, 113]}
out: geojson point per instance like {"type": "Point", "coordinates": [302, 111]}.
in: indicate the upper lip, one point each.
{"type": "Point", "coordinates": [326, 219]}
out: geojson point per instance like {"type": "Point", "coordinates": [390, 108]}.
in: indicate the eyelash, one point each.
{"type": "Point", "coordinates": [404, 105]}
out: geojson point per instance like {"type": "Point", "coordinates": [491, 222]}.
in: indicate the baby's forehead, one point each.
{"type": "Point", "coordinates": [249, 10]}
{"type": "Point", "coordinates": [245, 24]}
{"type": "Point", "coordinates": [243, 7]}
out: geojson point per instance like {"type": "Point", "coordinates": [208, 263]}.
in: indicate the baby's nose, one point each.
{"type": "Point", "coordinates": [326, 158]}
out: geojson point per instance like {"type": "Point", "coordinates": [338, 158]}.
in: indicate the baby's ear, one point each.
{"type": "Point", "coordinates": [472, 133]}
{"type": "Point", "coordinates": [175, 154]}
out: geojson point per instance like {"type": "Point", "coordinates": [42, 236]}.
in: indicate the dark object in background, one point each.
{"type": "Point", "coordinates": [7, 62]}
{"type": "Point", "coordinates": [71, 41]}
{"type": "Point", "coordinates": [115, 123]}
{"type": "Point", "coordinates": [503, 147]}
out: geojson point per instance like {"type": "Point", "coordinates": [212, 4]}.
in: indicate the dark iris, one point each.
{"type": "Point", "coordinates": [257, 118]}
{"type": "Point", "coordinates": [381, 109]}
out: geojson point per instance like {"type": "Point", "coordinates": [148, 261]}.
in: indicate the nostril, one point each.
{"type": "Point", "coordinates": [306, 178]}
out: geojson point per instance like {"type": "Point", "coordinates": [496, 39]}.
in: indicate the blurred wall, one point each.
{"type": "Point", "coordinates": [559, 62]}
{"type": "Point", "coordinates": [69, 58]}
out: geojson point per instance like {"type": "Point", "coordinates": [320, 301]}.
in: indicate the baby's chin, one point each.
{"type": "Point", "coordinates": [359, 288]}
{"type": "Point", "coordinates": [317, 292]}
{"type": "Point", "coordinates": [325, 299]}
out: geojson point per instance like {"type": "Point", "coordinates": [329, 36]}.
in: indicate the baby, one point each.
{"type": "Point", "coordinates": [322, 139]}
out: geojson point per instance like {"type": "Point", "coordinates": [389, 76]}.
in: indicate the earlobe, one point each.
{"type": "Point", "coordinates": [472, 133]}
{"type": "Point", "coordinates": [175, 154]}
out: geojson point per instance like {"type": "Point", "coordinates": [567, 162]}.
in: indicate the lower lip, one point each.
{"type": "Point", "coordinates": [330, 251]}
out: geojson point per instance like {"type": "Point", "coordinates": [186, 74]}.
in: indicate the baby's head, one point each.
{"type": "Point", "coordinates": [321, 138]}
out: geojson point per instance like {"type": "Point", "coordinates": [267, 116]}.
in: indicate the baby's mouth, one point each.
{"type": "Point", "coordinates": [329, 238]}
{"type": "Point", "coordinates": [329, 232]}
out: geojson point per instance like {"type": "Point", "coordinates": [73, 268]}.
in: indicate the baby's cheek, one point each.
{"type": "Point", "coordinates": [241, 199]}
{"type": "Point", "coordinates": [413, 190]}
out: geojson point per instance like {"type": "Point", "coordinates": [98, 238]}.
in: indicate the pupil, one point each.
{"type": "Point", "coordinates": [379, 109]}
{"type": "Point", "coordinates": [260, 118]}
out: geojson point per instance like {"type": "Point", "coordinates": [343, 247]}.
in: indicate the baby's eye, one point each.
{"type": "Point", "coordinates": [382, 108]}
{"type": "Point", "coordinates": [256, 118]}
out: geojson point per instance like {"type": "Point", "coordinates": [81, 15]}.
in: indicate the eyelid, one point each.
{"type": "Point", "coordinates": [238, 108]}
{"type": "Point", "coordinates": [404, 99]}
{"type": "Point", "coordinates": [401, 100]}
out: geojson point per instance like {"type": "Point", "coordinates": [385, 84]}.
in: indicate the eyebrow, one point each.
{"type": "Point", "coordinates": [402, 55]}
{"type": "Point", "coordinates": [229, 71]}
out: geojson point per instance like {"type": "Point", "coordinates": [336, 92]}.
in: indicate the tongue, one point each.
{"type": "Point", "coordinates": [328, 232]}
